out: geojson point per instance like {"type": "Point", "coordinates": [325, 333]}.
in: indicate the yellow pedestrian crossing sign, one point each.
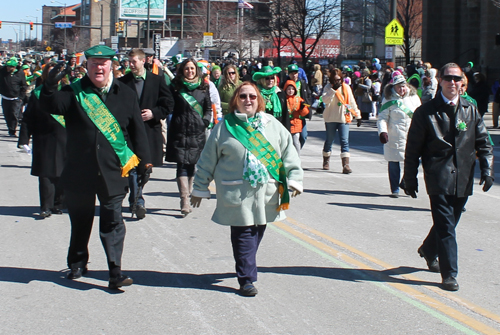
{"type": "Point", "coordinates": [394, 33]}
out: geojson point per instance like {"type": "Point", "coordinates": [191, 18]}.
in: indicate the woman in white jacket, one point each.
{"type": "Point", "coordinates": [399, 103]}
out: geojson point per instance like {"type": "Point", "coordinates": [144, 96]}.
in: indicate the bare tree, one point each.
{"type": "Point", "coordinates": [410, 17]}
{"type": "Point", "coordinates": [304, 21]}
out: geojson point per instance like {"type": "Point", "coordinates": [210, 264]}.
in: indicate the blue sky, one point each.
{"type": "Point", "coordinates": [17, 11]}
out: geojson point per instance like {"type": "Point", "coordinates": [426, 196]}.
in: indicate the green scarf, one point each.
{"type": "Point", "coordinates": [191, 86]}
{"type": "Point", "coordinates": [257, 144]}
{"type": "Point", "coordinates": [273, 104]}
{"type": "Point", "coordinates": [58, 118]}
{"type": "Point", "coordinates": [102, 118]}
{"type": "Point", "coordinates": [401, 106]}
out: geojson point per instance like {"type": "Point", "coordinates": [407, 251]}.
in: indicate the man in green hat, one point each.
{"type": "Point", "coordinates": [106, 139]}
{"type": "Point", "coordinates": [13, 89]}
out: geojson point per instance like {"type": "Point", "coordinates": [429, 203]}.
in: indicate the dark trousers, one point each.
{"type": "Point", "coordinates": [11, 112]}
{"type": "Point", "coordinates": [134, 190]}
{"type": "Point", "coordinates": [51, 193]}
{"type": "Point", "coordinates": [81, 208]}
{"type": "Point", "coordinates": [394, 176]}
{"type": "Point", "coordinates": [441, 241]}
{"type": "Point", "coordinates": [245, 242]}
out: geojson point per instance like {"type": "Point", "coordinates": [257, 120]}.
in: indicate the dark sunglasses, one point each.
{"type": "Point", "coordinates": [454, 78]}
{"type": "Point", "coordinates": [269, 78]}
{"type": "Point", "coordinates": [231, 73]}
{"type": "Point", "coordinates": [251, 96]}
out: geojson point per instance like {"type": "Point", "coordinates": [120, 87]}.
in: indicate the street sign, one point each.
{"type": "Point", "coordinates": [114, 39]}
{"type": "Point", "coordinates": [394, 33]}
{"type": "Point", "coordinates": [388, 52]}
{"type": "Point", "coordinates": [114, 46]}
{"type": "Point", "coordinates": [48, 48]}
{"type": "Point", "coordinates": [64, 51]}
{"type": "Point", "coordinates": [63, 25]}
{"type": "Point", "coordinates": [208, 40]}
{"type": "Point", "coordinates": [156, 41]}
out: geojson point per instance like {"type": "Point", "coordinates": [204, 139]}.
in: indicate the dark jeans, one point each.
{"type": "Point", "coordinates": [11, 113]}
{"type": "Point", "coordinates": [245, 242]}
{"type": "Point", "coordinates": [185, 170]}
{"type": "Point", "coordinates": [134, 190]}
{"type": "Point", "coordinates": [51, 194]}
{"type": "Point", "coordinates": [441, 241]}
{"type": "Point", "coordinates": [81, 208]}
{"type": "Point", "coordinates": [394, 176]}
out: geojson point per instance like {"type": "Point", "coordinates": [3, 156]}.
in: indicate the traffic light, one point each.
{"type": "Point", "coordinates": [122, 26]}
{"type": "Point", "coordinates": [31, 25]}
{"type": "Point", "coordinates": [0, 24]}
{"type": "Point", "coordinates": [117, 26]}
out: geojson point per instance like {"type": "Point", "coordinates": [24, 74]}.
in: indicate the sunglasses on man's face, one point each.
{"type": "Point", "coordinates": [250, 96]}
{"type": "Point", "coordinates": [269, 78]}
{"type": "Point", "coordinates": [454, 78]}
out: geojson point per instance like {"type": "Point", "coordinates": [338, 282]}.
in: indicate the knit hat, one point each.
{"type": "Point", "coordinates": [266, 72]}
{"type": "Point", "coordinates": [398, 79]}
{"type": "Point", "coordinates": [24, 67]}
{"type": "Point", "coordinates": [11, 62]}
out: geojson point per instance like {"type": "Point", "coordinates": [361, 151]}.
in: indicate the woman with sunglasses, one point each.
{"type": "Point", "coordinates": [228, 84]}
{"type": "Point", "coordinates": [251, 157]}
{"type": "Point", "coordinates": [191, 116]}
{"type": "Point", "coordinates": [274, 98]}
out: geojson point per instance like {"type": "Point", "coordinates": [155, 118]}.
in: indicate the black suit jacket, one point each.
{"type": "Point", "coordinates": [91, 160]}
{"type": "Point", "coordinates": [155, 96]}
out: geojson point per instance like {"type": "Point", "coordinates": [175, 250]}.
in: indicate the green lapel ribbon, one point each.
{"type": "Point", "coordinates": [100, 115]}
{"type": "Point", "coordinates": [401, 106]}
{"type": "Point", "coordinates": [259, 146]}
{"type": "Point", "coordinates": [273, 103]}
{"type": "Point", "coordinates": [58, 118]}
{"type": "Point", "coordinates": [192, 102]}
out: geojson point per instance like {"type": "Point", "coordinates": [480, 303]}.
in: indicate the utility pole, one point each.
{"type": "Point", "coordinates": [394, 15]}
{"type": "Point", "coordinates": [149, 9]}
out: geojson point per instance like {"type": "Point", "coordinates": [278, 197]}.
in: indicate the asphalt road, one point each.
{"type": "Point", "coordinates": [344, 262]}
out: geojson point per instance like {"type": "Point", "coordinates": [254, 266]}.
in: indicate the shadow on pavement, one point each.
{"type": "Point", "coordinates": [16, 166]}
{"type": "Point", "coordinates": [349, 193]}
{"type": "Point", "coordinates": [385, 276]}
{"type": "Point", "coordinates": [380, 207]}
{"type": "Point", "coordinates": [24, 211]}
{"type": "Point", "coordinates": [141, 277]}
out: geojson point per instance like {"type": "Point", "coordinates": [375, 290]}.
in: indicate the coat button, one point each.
{"type": "Point", "coordinates": [453, 171]}
{"type": "Point", "coordinates": [98, 147]}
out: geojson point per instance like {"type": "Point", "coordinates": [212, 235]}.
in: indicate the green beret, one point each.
{"type": "Point", "coordinates": [100, 51]}
{"type": "Point", "coordinates": [266, 72]}
{"type": "Point", "coordinates": [24, 67]}
{"type": "Point", "coordinates": [11, 62]}
{"type": "Point", "coordinates": [215, 67]}
{"type": "Point", "coordinates": [293, 68]}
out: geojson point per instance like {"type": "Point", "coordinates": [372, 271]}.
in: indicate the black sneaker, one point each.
{"type": "Point", "coordinates": [248, 290]}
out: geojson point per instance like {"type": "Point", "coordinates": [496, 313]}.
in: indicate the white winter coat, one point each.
{"type": "Point", "coordinates": [396, 123]}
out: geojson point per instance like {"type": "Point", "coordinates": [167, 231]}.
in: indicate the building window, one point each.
{"type": "Point", "coordinates": [87, 2]}
{"type": "Point", "coordinates": [87, 18]}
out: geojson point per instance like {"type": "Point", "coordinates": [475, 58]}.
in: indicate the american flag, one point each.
{"type": "Point", "coordinates": [244, 4]}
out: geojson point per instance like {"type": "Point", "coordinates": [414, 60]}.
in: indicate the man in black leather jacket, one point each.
{"type": "Point", "coordinates": [447, 133]}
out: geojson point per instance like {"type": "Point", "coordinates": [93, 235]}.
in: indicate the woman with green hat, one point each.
{"type": "Point", "coordinates": [273, 97]}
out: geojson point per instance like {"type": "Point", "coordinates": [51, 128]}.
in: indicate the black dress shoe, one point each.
{"type": "Point", "coordinates": [45, 214]}
{"type": "Point", "coordinates": [140, 212]}
{"type": "Point", "coordinates": [248, 290]}
{"type": "Point", "coordinates": [433, 264]}
{"type": "Point", "coordinates": [76, 273]}
{"type": "Point", "coordinates": [450, 284]}
{"type": "Point", "coordinates": [56, 211]}
{"type": "Point", "coordinates": [117, 282]}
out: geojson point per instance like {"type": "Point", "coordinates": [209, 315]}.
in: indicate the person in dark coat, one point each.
{"type": "Point", "coordinates": [48, 133]}
{"type": "Point", "coordinates": [192, 114]}
{"type": "Point", "coordinates": [480, 91]}
{"type": "Point", "coordinates": [446, 133]}
{"type": "Point", "coordinates": [155, 101]}
{"type": "Point", "coordinates": [13, 89]}
{"type": "Point", "coordinates": [274, 97]}
{"type": "Point", "coordinates": [106, 139]}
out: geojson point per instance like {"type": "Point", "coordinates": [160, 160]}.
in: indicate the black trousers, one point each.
{"type": "Point", "coordinates": [245, 242]}
{"type": "Point", "coordinates": [81, 208]}
{"type": "Point", "coordinates": [441, 241]}
{"type": "Point", "coordinates": [51, 193]}
{"type": "Point", "coordinates": [11, 112]}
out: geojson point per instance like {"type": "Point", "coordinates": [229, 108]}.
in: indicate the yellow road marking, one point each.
{"type": "Point", "coordinates": [429, 301]}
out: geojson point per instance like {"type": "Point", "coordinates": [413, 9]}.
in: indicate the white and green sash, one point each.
{"type": "Point", "coordinates": [401, 106]}
{"type": "Point", "coordinates": [259, 146]}
{"type": "Point", "coordinates": [100, 115]}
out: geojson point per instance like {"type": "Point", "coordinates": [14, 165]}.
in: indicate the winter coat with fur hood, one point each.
{"type": "Point", "coordinates": [395, 122]}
